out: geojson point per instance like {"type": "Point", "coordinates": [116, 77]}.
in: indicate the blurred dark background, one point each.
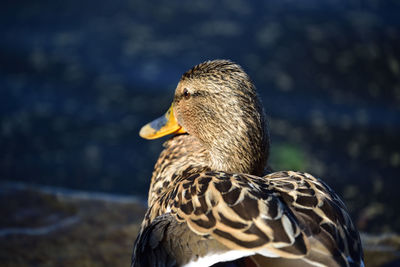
{"type": "Point", "coordinates": [79, 78]}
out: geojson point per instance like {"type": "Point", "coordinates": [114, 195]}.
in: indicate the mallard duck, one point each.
{"type": "Point", "coordinates": [211, 201]}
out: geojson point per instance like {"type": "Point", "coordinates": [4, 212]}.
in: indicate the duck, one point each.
{"type": "Point", "coordinates": [213, 200]}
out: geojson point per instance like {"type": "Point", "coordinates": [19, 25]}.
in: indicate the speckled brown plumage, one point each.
{"type": "Point", "coordinates": [198, 209]}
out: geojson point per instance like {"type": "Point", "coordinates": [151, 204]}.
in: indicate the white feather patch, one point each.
{"type": "Point", "coordinates": [211, 259]}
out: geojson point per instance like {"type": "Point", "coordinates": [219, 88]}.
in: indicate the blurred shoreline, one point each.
{"type": "Point", "coordinates": [62, 223]}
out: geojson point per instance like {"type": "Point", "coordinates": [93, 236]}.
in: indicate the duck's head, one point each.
{"type": "Point", "coordinates": [216, 102]}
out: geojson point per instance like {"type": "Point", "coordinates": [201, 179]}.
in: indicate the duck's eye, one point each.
{"type": "Point", "coordinates": [186, 93]}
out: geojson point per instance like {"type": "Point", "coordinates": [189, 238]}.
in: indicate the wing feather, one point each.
{"type": "Point", "coordinates": [240, 212]}
{"type": "Point", "coordinates": [290, 215]}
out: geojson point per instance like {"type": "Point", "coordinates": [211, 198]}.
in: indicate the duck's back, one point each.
{"type": "Point", "coordinates": [284, 218]}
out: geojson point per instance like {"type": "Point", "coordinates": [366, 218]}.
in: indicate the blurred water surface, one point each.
{"type": "Point", "coordinates": [79, 78]}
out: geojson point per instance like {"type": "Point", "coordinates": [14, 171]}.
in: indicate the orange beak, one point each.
{"type": "Point", "coordinates": [162, 126]}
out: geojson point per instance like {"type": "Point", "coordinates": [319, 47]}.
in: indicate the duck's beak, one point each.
{"type": "Point", "coordinates": [162, 126]}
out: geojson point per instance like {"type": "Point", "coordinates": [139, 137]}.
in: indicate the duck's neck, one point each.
{"type": "Point", "coordinates": [239, 152]}
{"type": "Point", "coordinates": [181, 153]}
{"type": "Point", "coordinates": [240, 143]}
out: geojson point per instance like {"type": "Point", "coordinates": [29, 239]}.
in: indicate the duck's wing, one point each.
{"type": "Point", "coordinates": [165, 242]}
{"type": "Point", "coordinates": [210, 214]}
{"type": "Point", "coordinates": [153, 246]}
{"type": "Point", "coordinates": [237, 212]}
{"type": "Point", "coordinates": [241, 212]}
{"type": "Point", "coordinates": [323, 217]}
